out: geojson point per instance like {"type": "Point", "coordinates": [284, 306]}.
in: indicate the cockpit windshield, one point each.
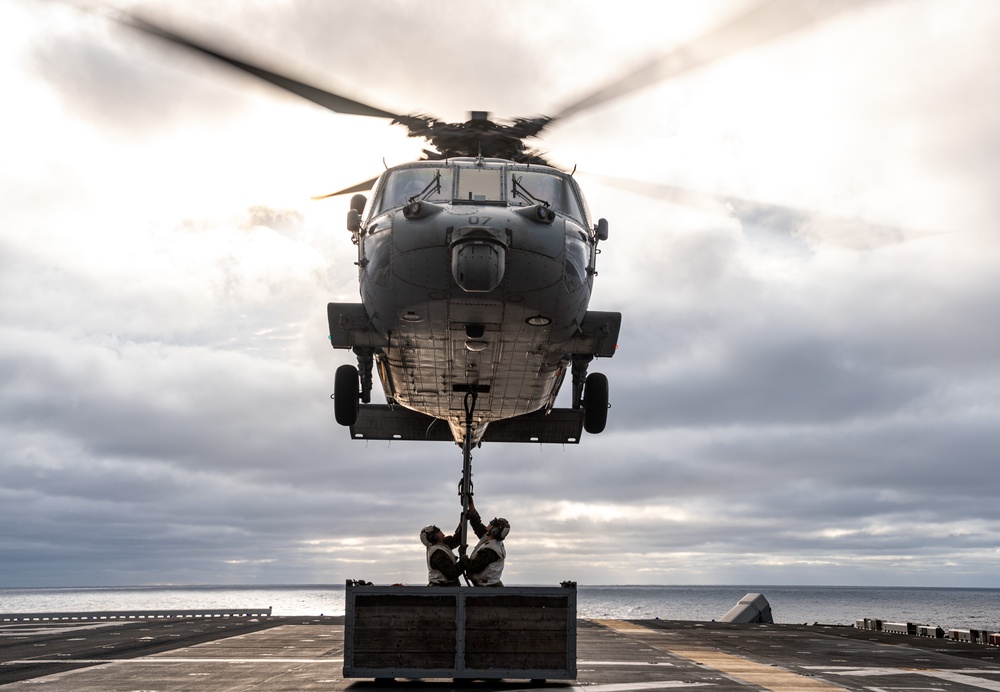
{"type": "Point", "coordinates": [536, 187]}
{"type": "Point", "coordinates": [428, 183]}
{"type": "Point", "coordinates": [444, 184]}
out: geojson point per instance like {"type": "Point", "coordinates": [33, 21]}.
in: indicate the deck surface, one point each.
{"type": "Point", "coordinates": [277, 653]}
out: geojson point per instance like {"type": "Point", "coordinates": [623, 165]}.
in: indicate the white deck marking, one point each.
{"type": "Point", "coordinates": [734, 667]}
{"type": "Point", "coordinates": [28, 629]}
{"type": "Point", "coordinates": [961, 676]}
{"type": "Point", "coordinates": [961, 679]}
{"type": "Point", "coordinates": [665, 664]}
{"type": "Point", "coordinates": [629, 686]}
{"type": "Point", "coordinates": [156, 659]}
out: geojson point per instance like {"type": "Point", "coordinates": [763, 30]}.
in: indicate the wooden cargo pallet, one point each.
{"type": "Point", "coordinates": [460, 632]}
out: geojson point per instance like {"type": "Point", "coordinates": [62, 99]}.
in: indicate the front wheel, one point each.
{"type": "Point", "coordinates": [346, 392]}
{"type": "Point", "coordinates": [595, 403]}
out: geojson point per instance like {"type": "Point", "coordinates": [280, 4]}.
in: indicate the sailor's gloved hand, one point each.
{"type": "Point", "coordinates": [464, 562]}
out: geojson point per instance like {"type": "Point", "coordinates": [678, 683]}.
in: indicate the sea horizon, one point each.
{"type": "Point", "coordinates": [292, 585]}
{"type": "Point", "coordinates": [952, 607]}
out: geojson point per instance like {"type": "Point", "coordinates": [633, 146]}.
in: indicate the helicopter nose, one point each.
{"type": "Point", "coordinates": [478, 258]}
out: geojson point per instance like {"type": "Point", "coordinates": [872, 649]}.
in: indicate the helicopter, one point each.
{"type": "Point", "coordinates": [476, 264]}
{"type": "Point", "coordinates": [476, 267]}
{"type": "Point", "coordinates": [475, 277]}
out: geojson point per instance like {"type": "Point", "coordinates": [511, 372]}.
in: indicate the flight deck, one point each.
{"type": "Point", "coordinates": [187, 654]}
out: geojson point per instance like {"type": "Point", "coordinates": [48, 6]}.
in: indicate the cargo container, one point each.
{"type": "Point", "coordinates": [460, 632]}
{"type": "Point", "coordinates": [899, 627]}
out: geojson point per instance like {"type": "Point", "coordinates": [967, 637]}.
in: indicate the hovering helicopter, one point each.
{"type": "Point", "coordinates": [476, 264]}
{"type": "Point", "coordinates": [476, 267]}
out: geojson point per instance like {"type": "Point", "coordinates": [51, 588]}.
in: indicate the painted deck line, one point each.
{"type": "Point", "coordinates": [962, 677]}
{"type": "Point", "coordinates": [769, 677]}
{"type": "Point", "coordinates": [630, 686]}
{"type": "Point", "coordinates": [169, 659]}
{"type": "Point", "coordinates": [638, 664]}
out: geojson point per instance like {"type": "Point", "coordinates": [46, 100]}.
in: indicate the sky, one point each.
{"type": "Point", "coordinates": [804, 244]}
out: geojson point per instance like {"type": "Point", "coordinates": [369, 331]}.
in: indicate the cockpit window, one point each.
{"type": "Point", "coordinates": [534, 187]}
{"type": "Point", "coordinates": [480, 185]}
{"type": "Point", "coordinates": [430, 183]}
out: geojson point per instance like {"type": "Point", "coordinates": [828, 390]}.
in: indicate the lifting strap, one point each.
{"type": "Point", "coordinates": [465, 486]}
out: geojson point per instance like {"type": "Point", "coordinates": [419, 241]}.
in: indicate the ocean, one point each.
{"type": "Point", "coordinates": [960, 608]}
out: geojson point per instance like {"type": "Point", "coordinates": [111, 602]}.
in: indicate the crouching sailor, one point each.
{"type": "Point", "coordinates": [443, 568]}
{"type": "Point", "coordinates": [486, 562]}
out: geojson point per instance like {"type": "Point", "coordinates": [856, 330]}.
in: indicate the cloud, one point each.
{"type": "Point", "coordinates": [789, 405]}
{"type": "Point", "coordinates": [150, 90]}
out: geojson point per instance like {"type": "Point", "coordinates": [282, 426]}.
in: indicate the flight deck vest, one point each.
{"type": "Point", "coordinates": [435, 576]}
{"type": "Point", "coordinates": [490, 576]}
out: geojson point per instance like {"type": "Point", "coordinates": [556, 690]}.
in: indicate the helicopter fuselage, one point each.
{"type": "Point", "coordinates": [475, 277]}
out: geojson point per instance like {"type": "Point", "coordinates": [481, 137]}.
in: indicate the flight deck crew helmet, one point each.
{"type": "Point", "coordinates": [501, 527]}
{"type": "Point", "coordinates": [428, 535]}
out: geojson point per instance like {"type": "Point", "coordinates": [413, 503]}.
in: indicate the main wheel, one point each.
{"type": "Point", "coordinates": [595, 403]}
{"type": "Point", "coordinates": [346, 392]}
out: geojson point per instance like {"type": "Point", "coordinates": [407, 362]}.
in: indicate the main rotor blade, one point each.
{"type": "Point", "coordinates": [326, 99]}
{"type": "Point", "coordinates": [853, 234]}
{"type": "Point", "coordinates": [764, 22]}
{"type": "Point", "coordinates": [360, 187]}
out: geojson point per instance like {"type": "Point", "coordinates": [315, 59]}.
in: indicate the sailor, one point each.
{"type": "Point", "coordinates": [443, 567]}
{"type": "Point", "coordinates": [486, 562]}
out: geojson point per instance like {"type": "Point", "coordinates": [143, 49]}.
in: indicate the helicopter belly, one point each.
{"type": "Point", "coordinates": [442, 347]}
{"type": "Point", "coordinates": [434, 376]}
{"type": "Point", "coordinates": [508, 365]}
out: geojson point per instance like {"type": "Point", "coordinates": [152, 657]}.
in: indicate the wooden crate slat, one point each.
{"type": "Point", "coordinates": [405, 641]}
{"type": "Point", "coordinates": [431, 600]}
{"type": "Point", "coordinates": [516, 618]}
{"type": "Point", "coordinates": [525, 661]}
{"type": "Point", "coordinates": [491, 598]}
{"type": "Point", "coordinates": [407, 620]}
{"type": "Point", "coordinates": [481, 641]}
{"type": "Point", "coordinates": [393, 660]}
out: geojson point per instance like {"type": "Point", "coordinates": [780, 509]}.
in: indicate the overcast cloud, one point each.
{"type": "Point", "coordinates": [794, 401]}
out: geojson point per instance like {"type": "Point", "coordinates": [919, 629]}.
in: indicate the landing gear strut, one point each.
{"type": "Point", "coordinates": [580, 364]}
{"type": "Point", "coordinates": [366, 362]}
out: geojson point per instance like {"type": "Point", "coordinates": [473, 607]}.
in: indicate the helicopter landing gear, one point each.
{"type": "Point", "coordinates": [590, 392]}
{"type": "Point", "coordinates": [595, 403]}
{"type": "Point", "coordinates": [346, 384]}
{"type": "Point", "coordinates": [352, 385]}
